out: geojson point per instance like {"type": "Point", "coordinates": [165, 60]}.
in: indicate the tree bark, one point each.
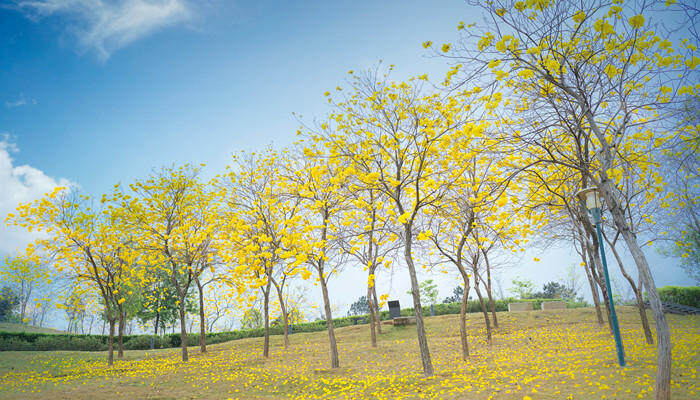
{"type": "Point", "coordinates": [463, 320]}
{"type": "Point", "coordinates": [285, 314]}
{"type": "Point", "coordinates": [183, 330]}
{"type": "Point", "coordinates": [110, 354]}
{"type": "Point", "coordinates": [489, 292]}
{"type": "Point", "coordinates": [43, 314]}
{"type": "Point", "coordinates": [377, 313]}
{"type": "Point", "coordinates": [415, 293]}
{"type": "Point", "coordinates": [266, 315]}
{"type": "Point", "coordinates": [484, 310]}
{"type": "Point", "coordinates": [637, 293]}
{"type": "Point", "coordinates": [372, 317]}
{"type": "Point", "coordinates": [155, 331]}
{"type": "Point", "coordinates": [24, 299]}
{"type": "Point", "coordinates": [202, 322]}
{"type": "Point", "coordinates": [120, 342]}
{"type": "Point", "coordinates": [493, 305]}
{"type": "Point", "coordinates": [594, 292]}
{"type": "Point", "coordinates": [594, 289]}
{"type": "Point", "coordinates": [596, 271]}
{"type": "Point", "coordinates": [335, 362]}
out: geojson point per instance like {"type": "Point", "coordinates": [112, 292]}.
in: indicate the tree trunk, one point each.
{"type": "Point", "coordinates": [372, 317]}
{"type": "Point", "coordinates": [266, 314]}
{"type": "Point", "coordinates": [377, 313]}
{"type": "Point", "coordinates": [637, 294]}
{"type": "Point", "coordinates": [183, 330]}
{"type": "Point", "coordinates": [489, 293]}
{"type": "Point", "coordinates": [643, 316]}
{"type": "Point", "coordinates": [70, 323]}
{"type": "Point", "coordinates": [493, 306]}
{"type": "Point", "coordinates": [43, 314]}
{"type": "Point", "coordinates": [415, 293]}
{"type": "Point", "coordinates": [596, 271]}
{"type": "Point", "coordinates": [375, 317]}
{"type": "Point", "coordinates": [23, 305]}
{"type": "Point", "coordinates": [662, 389]}
{"type": "Point", "coordinates": [202, 323]}
{"type": "Point", "coordinates": [110, 354]}
{"type": "Point", "coordinates": [594, 292]}
{"type": "Point", "coordinates": [285, 315]}
{"type": "Point", "coordinates": [484, 311]}
{"type": "Point", "coordinates": [155, 330]}
{"type": "Point", "coordinates": [463, 320]}
{"type": "Point", "coordinates": [335, 362]}
{"type": "Point", "coordinates": [120, 352]}
{"type": "Point", "coordinates": [594, 289]}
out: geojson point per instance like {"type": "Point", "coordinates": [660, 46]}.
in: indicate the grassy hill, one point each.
{"type": "Point", "coordinates": [536, 355]}
{"type": "Point", "coordinates": [12, 327]}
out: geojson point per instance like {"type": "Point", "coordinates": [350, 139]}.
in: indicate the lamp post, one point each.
{"type": "Point", "coordinates": [591, 198]}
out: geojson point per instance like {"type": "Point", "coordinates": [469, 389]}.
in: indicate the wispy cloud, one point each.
{"type": "Point", "coordinates": [105, 26]}
{"type": "Point", "coordinates": [19, 101]}
{"type": "Point", "coordinates": [16, 103]}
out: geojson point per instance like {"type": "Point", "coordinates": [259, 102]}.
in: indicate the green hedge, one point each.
{"type": "Point", "coordinates": [23, 341]}
{"type": "Point", "coordinates": [685, 295]}
{"type": "Point", "coordinates": [47, 341]}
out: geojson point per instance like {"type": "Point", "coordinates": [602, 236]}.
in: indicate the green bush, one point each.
{"type": "Point", "coordinates": [685, 295]}
{"type": "Point", "coordinates": [143, 342]}
{"type": "Point", "coordinates": [15, 344]}
{"type": "Point", "coordinates": [69, 342]}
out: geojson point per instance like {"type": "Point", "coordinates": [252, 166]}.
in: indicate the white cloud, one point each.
{"type": "Point", "coordinates": [20, 101]}
{"type": "Point", "coordinates": [107, 25]}
{"type": "Point", "coordinates": [19, 184]}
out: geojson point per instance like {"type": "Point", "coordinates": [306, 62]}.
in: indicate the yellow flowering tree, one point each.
{"type": "Point", "coordinates": [370, 238]}
{"type": "Point", "coordinates": [89, 245]}
{"type": "Point", "coordinates": [319, 182]}
{"type": "Point", "coordinates": [599, 79]}
{"type": "Point", "coordinates": [392, 134]}
{"type": "Point", "coordinates": [173, 217]}
{"type": "Point", "coordinates": [29, 274]}
{"type": "Point", "coordinates": [259, 241]}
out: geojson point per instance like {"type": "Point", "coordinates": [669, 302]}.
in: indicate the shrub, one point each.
{"type": "Point", "coordinates": [143, 342]}
{"type": "Point", "coordinates": [685, 295]}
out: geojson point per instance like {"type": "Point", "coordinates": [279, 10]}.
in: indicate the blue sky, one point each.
{"type": "Point", "coordinates": [96, 91]}
{"type": "Point", "coordinates": [225, 78]}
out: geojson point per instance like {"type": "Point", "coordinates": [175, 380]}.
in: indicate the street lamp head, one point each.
{"type": "Point", "coordinates": [591, 197]}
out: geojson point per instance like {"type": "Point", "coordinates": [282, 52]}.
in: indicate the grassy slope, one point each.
{"type": "Point", "coordinates": [11, 327]}
{"type": "Point", "coordinates": [542, 355]}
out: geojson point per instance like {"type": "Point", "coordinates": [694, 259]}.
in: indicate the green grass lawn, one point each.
{"type": "Point", "coordinates": [538, 355]}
